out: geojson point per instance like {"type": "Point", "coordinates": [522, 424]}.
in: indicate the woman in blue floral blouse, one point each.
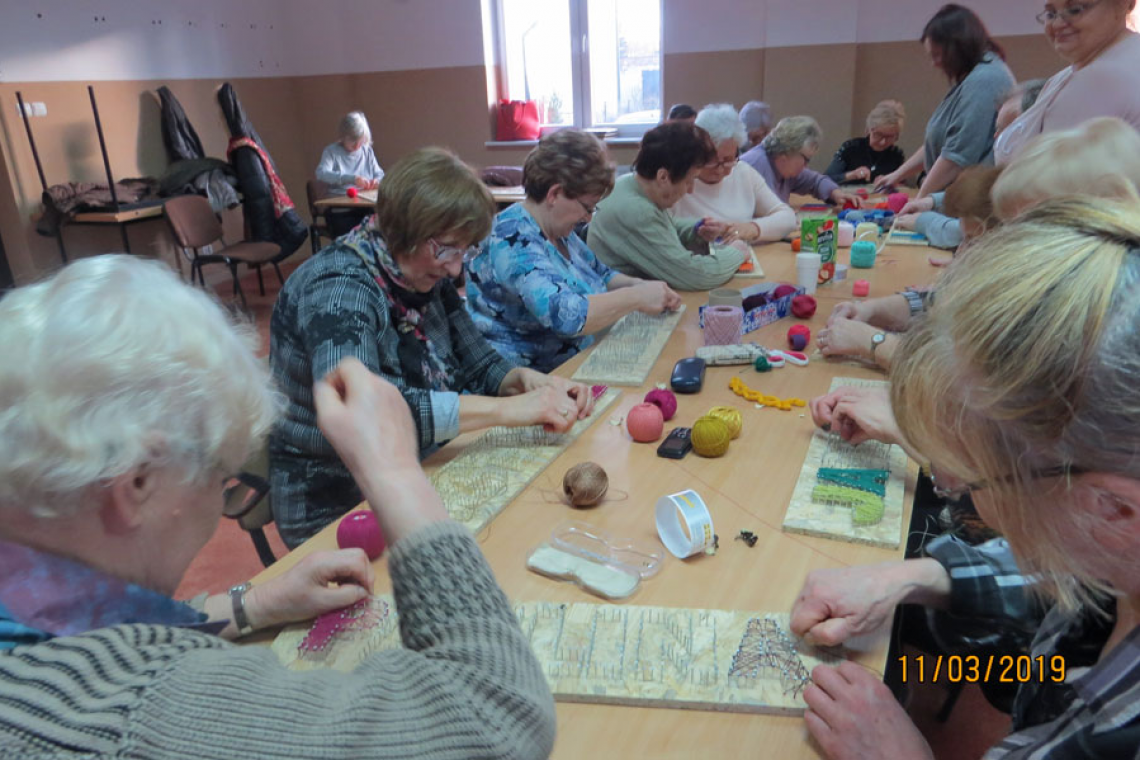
{"type": "Point", "coordinates": [534, 290]}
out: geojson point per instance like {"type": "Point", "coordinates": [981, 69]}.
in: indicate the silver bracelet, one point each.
{"type": "Point", "coordinates": [237, 599]}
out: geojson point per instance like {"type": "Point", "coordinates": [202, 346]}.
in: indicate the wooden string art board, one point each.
{"type": "Point", "coordinates": [494, 468]}
{"type": "Point", "coordinates": [627, 354]}
{"type": "Point", "coordinates": [725, 661]}
{"type": "Point", "coordinates": [810, 517]}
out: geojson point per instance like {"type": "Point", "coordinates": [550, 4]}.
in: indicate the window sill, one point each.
{"type": "Point", "coordinates": [615, 141]}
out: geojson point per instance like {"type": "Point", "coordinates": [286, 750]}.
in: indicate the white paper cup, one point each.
{"type": "Point", "coordinates": [807, 271]}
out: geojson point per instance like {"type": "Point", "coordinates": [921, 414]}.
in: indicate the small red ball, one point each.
{"type": "Point", "coordinates": [350, 192]}
{"type": "Point", "coordinates": [783, 290]}
{"type": "Point", "coordinates": [803, 306]}
{"type": "Point", "coordinates": [798, 337]}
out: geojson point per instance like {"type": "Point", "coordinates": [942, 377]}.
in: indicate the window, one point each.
{"type": "Point", "coordinates": [587, 63]}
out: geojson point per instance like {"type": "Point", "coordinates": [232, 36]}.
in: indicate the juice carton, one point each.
{"type": "Point", "coordinates": [818, 235]}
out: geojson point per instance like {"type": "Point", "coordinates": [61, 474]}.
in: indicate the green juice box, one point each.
{"type": "Point", "coordinates": [818, 235]}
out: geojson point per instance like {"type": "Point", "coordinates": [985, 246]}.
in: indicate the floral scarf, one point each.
{"type": "Point", "coordinates": [420, 359]}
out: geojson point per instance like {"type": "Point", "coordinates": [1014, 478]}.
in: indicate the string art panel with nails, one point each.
{"type": "Point", "coordinates": [719, 660]}
{"type": "Point", "coordinates": [851, 493]}
{"type": "Point", "coordinates": [493, 469]}
{"type": "Point", "coordinates": [627, 354]}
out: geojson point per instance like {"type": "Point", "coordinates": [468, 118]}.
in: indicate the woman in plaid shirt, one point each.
{"type": "Point", "coordinates": [1020, 385]}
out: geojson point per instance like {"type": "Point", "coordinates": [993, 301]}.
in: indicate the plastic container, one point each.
{"type": "Point", "coordinates": [597, 562]}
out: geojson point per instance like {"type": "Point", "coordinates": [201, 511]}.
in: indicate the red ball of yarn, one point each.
{"type": "Point", "coordinates": [803, 306]}
{"type": "Point", "coordinates": [664, 400]}
{"type": "Point", "coordinates": [783, 290]}
{"type": "Point", "coordinates": [350, 192]}
{"type": "Point", "coordinates": [798, 337]}
{"type": "Point", "coordinates": [645, 423]}
{"type": "Point", "coordinates": [896, 201]}
{"type": "Point", "coordinates": [361, 530]}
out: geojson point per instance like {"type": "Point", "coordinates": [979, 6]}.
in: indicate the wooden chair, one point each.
{"type": "Point", "coordinates": [198, 233]}
{"type": "Point", "coordinates": [314, 191]}
{"type": "Point", "coordinates": [247, 502]}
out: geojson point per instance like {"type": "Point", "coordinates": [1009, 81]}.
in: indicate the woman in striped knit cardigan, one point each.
{"type": "Point", "coordinates": [126, 398]}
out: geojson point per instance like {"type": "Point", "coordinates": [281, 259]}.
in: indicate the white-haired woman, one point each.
{"type": "Point", "coordinates": [349, 162]}
{"type": "Point", "coordinates": [1103, 56]}
{"type": "Point", "coordinates": [757, 118]}
{"type": "Point", "coordinates": [1045, 442]}
{"type": "Point", "coordinates": [864, 159]}
{"type": "Point", "coordinates": [127, 399]}
{"type": "Point", "coordinates": [782, 160]}
{"type": "Point", "coordinates": [733, 191]}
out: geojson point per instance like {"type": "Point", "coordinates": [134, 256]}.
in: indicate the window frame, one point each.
{"type": "Point", "coordinates": [580, 70]}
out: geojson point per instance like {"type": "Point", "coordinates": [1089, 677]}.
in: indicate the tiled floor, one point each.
{"type": "Point", "coordinates": [229, 558]}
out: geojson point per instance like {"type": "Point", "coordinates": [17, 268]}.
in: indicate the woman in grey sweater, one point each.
{"type": "Point", "coordinates": [128, 398]}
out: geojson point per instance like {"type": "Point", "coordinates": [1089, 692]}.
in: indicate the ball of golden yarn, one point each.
{"type": "Point", "coordinates": [710, 436]}
{"type": "Point", "coordinates": [585, 484]}
{"type": "Point", "coordinates": [731, 417]}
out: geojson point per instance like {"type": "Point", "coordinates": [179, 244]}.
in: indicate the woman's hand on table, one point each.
{"type": "Point", "coordinates": [715, 231]}
{"type": "Point", "coordinates": [906, 221]}
{"type": "Point", "coordinates": [747, 232]}
{"type": "Point", "coordinates": [853, 715]}
{"type": "Point", "coordinates": [857, 414]}
{"type": "Point", "coordinates": [577, 397]}
{"type": "Point", "coordinates": [888, 182]}
{"type": "Point", "coordinates": [846, 337]}
{"type": "Point", "coordinates": [917, 206]}
{"type": "Point", "coordinates": [841, 197]}
{"type": "Point", "coordinates": [856, 311]}
{"type": "Point", "coordinates": [303, 592]}
{"type": "Point", "coordinates": [655, 297]}
{"type": "Point", "coordinates": [859, 173]}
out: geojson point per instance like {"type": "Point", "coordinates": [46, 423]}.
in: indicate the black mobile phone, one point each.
{"type": "Point", "coordinates": [677, 444]}
{"type": "Point", "coordinates": [688, 375]}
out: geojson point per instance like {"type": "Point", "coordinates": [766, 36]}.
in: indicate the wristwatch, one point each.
{"type": "Point", "coordinates": [913, 301]}
{"type": "Point", "coordinates": [876, 341]}
{"type": "Point", "coordinates": [237, 599]}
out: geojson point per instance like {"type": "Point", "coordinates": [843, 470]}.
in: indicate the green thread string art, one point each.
{"type": "Point", "coordinates": [872, 481]}
{"type": "Point", "coordinates": [860, 490]}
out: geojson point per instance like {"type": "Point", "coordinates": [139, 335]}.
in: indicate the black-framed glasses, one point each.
{"type": "Point", "coordinates": [957, 492]}
{"type": "Point", "coordinates": [1066, 14]}
{"type": "Point", "coordinates": [725, 163]}
{"type": "Point", "coordinates": [448, 253]}
{"type": "Point", "coordinates": [805, 157]}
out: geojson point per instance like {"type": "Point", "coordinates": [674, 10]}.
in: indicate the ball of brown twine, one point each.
{"type": "Point", "coordinates": [585, 484]}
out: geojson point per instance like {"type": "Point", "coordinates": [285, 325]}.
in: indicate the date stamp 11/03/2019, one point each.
{"type": "Point", "coordinates": [982, 668]}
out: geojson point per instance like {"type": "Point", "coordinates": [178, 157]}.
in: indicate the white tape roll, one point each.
{"type": "Point", "coordinates": [684, 523]}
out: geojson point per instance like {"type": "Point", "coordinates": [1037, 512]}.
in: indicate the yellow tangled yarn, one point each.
{"type": "Point", "coordinates": [731, 417]}
{"type": "Point", "coordinates": [737, 386]}
{"type": "Point", "coordinates": [710, 436]}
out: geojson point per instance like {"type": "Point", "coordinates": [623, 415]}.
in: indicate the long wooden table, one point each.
{"type": "Point", "coordinates": [746, 489]}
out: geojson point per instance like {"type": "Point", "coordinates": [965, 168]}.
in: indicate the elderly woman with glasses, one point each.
{"type": "Point", "coordinates": [1045, 442]}
{"type": "Point", "coordinates": [128, 398]}
{"type": "Point", "coordinates": [864, 159]}
{"type": "Point", "coordinates": [1104, 58]}
{"type": "Point", "coordinates": [733, 191]}
{"type": "Point", "coordinates": [384, 295]}
{"type": "Point", "coordinates": [783, 157]}
{"type": "Point", "coordinates": [534, 290]}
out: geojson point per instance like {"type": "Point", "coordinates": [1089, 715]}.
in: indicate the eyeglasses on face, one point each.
{"type": "Point", "coordinates": [590, 210]}
{"type": "Point", "coordinates": [725, 163]}
{"type": "Point", "coordinates": [953, 492]}
{"type": "Point", "coordinates": [1066, 14]}
{"type": "Point", "coordinates": [448, 253]}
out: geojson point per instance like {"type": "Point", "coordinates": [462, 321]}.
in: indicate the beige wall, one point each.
{"type": "Point", "coordinates": [297, 117]}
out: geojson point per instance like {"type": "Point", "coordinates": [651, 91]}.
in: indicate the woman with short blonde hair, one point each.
{"type": "Point", "coordinates": [1101, 155]}
{"type": "Point", "coordinates": [1020, 386]}
{"type": "Point", "coordinates": [863, 159]}
{"type": "Point", "coordinates": [535, 290]}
